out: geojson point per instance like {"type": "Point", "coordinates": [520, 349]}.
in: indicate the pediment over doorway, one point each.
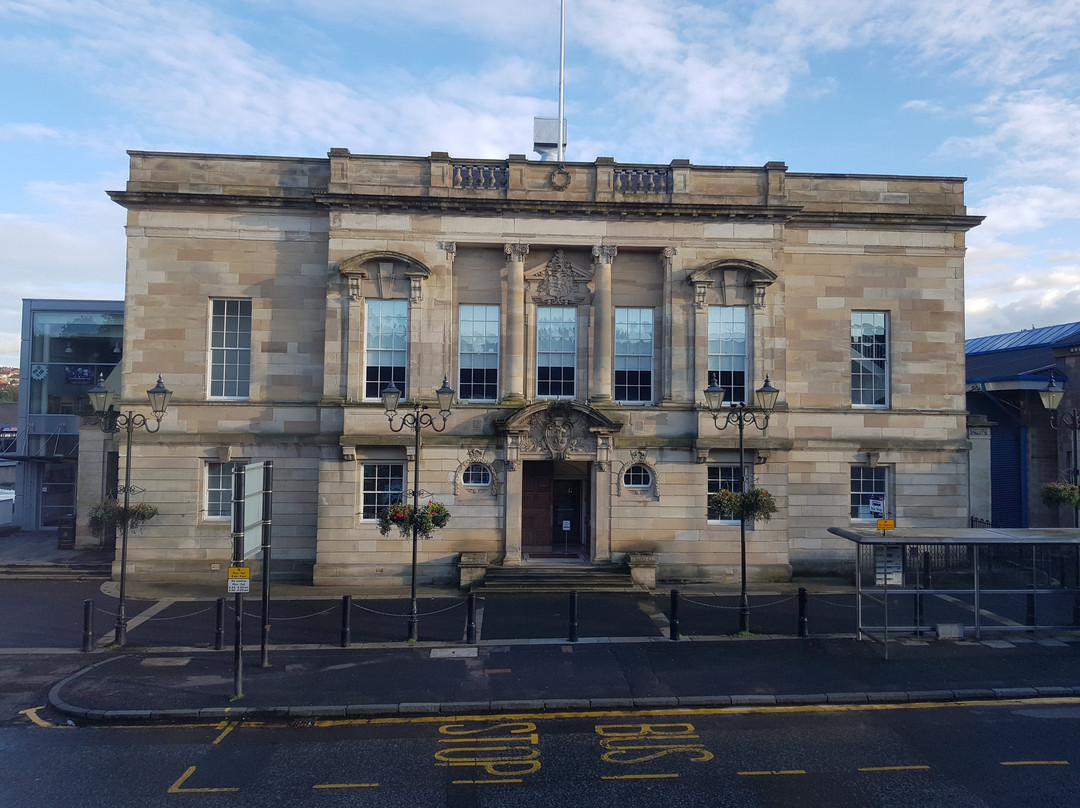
{"type": "Point", "coordinates": [558, 430]}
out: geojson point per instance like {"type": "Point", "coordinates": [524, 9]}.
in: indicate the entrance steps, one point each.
{"type": "Point", "coordinates": [534, 577]}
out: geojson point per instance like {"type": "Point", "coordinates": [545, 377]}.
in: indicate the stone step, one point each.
{"type": "Point", "coordinates": [557, 578]}
{"type": "Point", "coordinates": [63, 572]}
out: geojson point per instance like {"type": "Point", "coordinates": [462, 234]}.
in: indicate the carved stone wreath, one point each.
{"type": "Point", "coordinates": [560, 179]}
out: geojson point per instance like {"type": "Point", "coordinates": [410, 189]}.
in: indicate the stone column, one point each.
{"type": "Point", "coordinates": [354, 364]}
{"type": "Point", "coordinates": [513, 358]}
{"type": "Point", "coordinates": [603, 324]}
{"type": "Point", "coordinates": [512, 516]}
{"type": "Point", "coordinates": [667, 262]}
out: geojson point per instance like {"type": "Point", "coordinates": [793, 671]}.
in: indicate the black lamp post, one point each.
{"type": "Point", "coordinates": [112, 422]}
{"type": "Point", "coordinates": [416, 420]}
{"type": "Point", "coordinates": [741, 415]}
{"type": "Point", "coordinates": [1051, 398]}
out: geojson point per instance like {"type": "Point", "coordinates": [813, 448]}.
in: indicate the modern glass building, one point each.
{"type": "Point", "coordinates": [66, 344]}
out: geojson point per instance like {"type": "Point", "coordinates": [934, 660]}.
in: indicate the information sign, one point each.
{"type": "Point", "coordinates": [886, 524]}
{"type": "Point", "coordinates": [239, 585]}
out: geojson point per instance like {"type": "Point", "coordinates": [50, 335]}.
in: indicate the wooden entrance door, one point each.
{"type": "Point", "coordinates": [536, 501]}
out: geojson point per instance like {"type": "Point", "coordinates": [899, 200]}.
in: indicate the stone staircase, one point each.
{"type": "Point", "coordinates": [539, 577]}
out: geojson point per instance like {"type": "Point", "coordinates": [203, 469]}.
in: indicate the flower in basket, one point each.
{"type": "Point", "coordinates": [397, 515]}
{"type": "Point", "coordinates": [1059, 493]}
{"type": "Point", "coordinates": [110, 512]}
{"type": "Point", "coordinates": [426, 518]}
{"type": "Point", "coordinates": [437, 513]}
{"type": "Point", "coordinates": [757, 503]}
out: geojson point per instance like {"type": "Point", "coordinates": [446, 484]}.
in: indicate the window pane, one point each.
{"type": "Point", "coordinates": [633, 355]}
{"type": "Point", "coordinates": [386, 354]}
{"type": "Point", "coordinates": [728, 351]}
{"type": "Point", "coordinates": [723, 478]}
{"type": "Point", "coordinates": [868, 484]}
{"type": "Point", "coordinates": [478, 375]}
{"type": "Point", "coordinates": [230, 348]}
{"type": "Point", "coordinates": [556, 355]}
{"type": "Point", "coordinates": [637, 476]}
{"type": "Point", "coordinates": [869, 359]}
{"type": "Point", "coordinates": [384, 484]}
{"type": "Point", "coordinates": [477, 474]}
{"type": "Point", "coordinates": [219, 490]}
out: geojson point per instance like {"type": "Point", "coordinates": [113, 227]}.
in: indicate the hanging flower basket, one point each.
{"type": "Point", "coordinates": [757, 503]}
{"type": "Point", "coordinates": [109, 511]}
{"type": "Point", "coordinates": [1060, 493]}
{"type": "Point", "coordinates": [427, 518]}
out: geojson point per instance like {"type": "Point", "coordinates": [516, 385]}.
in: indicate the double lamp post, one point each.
{"type": "Point", "coordinates": [416, 420]}
{"type": "Point", "coordinates": [742, 415]}
{"type": "Point", "coordinates": [112, 422]}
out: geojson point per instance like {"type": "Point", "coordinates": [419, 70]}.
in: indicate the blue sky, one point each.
{"type": "Point", "coordinates": [989, 91]}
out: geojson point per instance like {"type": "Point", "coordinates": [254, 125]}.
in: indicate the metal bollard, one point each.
{"type": "Point", "coordinates": [573, 617]}
{"type": "Point", "coordinates": [804, 630]}
{"type": "Point", "coordinates": [346, 621]}
{"type": "Point", "coordinates": [470, 626]}
{"type": "Point", "coordinates": [674, 614]}
{"type": "Point", "coordinates": [87, 625]}
{"type": "Point", "coordinates": [219, 630]}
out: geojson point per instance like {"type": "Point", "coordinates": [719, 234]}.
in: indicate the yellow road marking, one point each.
{"type": "Point", "coordinates": [783, 771]}
{"type": "Point", "coordinates": [346, 785]}
{"type": "Point", "coordinates": [1034, 763]}
{"type": "Point", "coordinates": [640, 777]}
{"type": "Point", "coordinates": [485, 782]}
{"type": "Point", "coordinates": [175, 788]}
{"type": "Point", "coordinates": [31, 713]}
{"type": "Point", "coordinates": [685, 711]}
{"type": "Point", "coordinates": [228, 728]}
{"type": "Point", "coordinates": [893, 768]}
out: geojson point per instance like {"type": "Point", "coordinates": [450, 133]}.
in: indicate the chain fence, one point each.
{"type": "Point", "coordinates": [602, 614]}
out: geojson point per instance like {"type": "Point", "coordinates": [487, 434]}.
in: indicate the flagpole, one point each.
{"type": "Point", "coordinates": [562, 74]}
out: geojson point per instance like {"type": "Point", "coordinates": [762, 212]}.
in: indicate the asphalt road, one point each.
{"type": "Point", "coordinates": [960, 756]}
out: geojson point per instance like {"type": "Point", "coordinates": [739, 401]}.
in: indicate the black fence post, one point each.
{"type": "Point", "coordinates": [87, 625]}
{"type": "Point", "coordinates": [674, 621]}
{"type": "Point", "coordinates": [219, 629]}
{"type": "Point", "coordinates": [1031, 609]}
{"type": "Point", "coordinates": [573, 617]}
{"type": "Point", "coordinates": [803, 627]}
{"type": "Point", "coordinates": [470, 626]}
{"type": "Point", "coordinates": [346, 621]}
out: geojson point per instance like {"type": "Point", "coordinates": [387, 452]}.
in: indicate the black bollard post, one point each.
{"type": "Point", "coordinates": [803, 628]}
{"type": "Point", "coordinates": [346, 621]}
{"type": "Point", "coordinates": [674, 621]}
{"type": "Point", "coordinates": [219, 630]}
{"type": "Point", "coordinates": [470, 626]}
{"type": "Point", "coordinates": [573, 617]}
{"type": "Point", "coordinates": [87, 626]}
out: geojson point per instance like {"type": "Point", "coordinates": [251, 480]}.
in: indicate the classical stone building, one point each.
{"type": "Point", "coordinates": [578, 310]}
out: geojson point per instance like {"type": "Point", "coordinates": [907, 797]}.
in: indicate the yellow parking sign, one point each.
{"type": "Point", "coordinates": [239, 572]}
{"type": "Point", "coordinates": [886, 524]}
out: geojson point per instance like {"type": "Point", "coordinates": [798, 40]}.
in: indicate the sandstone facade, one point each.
{"type": "Point", "coordinates": [312, 247]}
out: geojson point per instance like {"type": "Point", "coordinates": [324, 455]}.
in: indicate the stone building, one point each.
{"type": "Point", "coordinates": [578, 310]}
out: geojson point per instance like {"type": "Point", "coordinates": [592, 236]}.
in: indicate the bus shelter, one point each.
{"type": "Point", "coordinates": [953, 582]}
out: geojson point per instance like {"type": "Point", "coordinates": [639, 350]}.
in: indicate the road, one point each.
{"type": "Point", "coordinates": [955, 755]}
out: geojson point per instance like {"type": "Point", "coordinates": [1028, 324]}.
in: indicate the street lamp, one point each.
{"type": "Point", "coordinates": [416, 420]}
{"type": "Point", "coordinates": [1051, 398]}
{"type": "Point", "coordinates": [112, 422]}
{"type": "Point", "coordinates": [741, 415]}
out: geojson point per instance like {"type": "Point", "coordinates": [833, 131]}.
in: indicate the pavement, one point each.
{"type": "Point", "coordinates": [529, 655]}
